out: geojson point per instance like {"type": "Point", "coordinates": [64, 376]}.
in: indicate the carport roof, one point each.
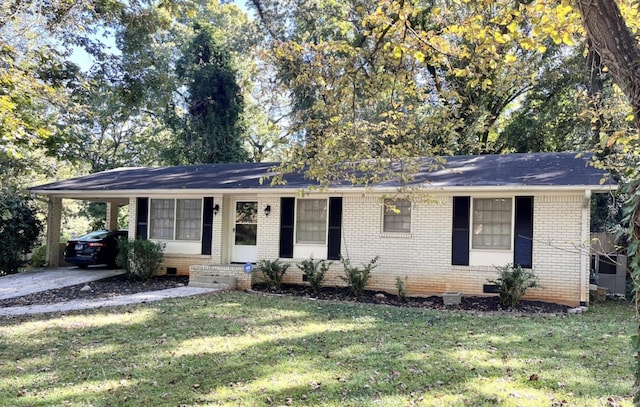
{"type": "Point", "coordinates": [566, 169]}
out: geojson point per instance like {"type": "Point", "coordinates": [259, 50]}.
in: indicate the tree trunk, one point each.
{"type": "Point", "coordinates": [610, 37]}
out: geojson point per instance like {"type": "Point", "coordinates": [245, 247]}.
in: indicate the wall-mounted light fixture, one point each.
{"type": "Point", "coordinates": [216, 209]}
{"type": "Point", "coordinates": [267, 210]}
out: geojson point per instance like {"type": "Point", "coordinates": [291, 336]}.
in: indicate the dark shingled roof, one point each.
{"type": "Point", "coordinates": [535, 169]}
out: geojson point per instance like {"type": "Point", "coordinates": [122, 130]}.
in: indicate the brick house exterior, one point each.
{"type": "Point", "coordinates": [482, 212]}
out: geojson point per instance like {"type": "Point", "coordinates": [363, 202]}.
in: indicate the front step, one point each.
{"type": "Point", "coordinates": [219, 282]}
{"type": "Point", "coordinates": [227, 277]}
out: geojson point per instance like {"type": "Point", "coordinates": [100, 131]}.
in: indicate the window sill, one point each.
{"type": "Point", "coordinates": [396, 235]}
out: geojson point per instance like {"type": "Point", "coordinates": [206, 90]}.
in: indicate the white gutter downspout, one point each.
{"type": "Point", "coordinates": [586, 242]}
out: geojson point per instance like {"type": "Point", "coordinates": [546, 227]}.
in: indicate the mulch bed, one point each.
{"type": "Point", "coordinates": [122, 285]}
{"type": "Point", "coordinates": [105, 288]}
{"type": "Point", "coordinates": [484, 304]}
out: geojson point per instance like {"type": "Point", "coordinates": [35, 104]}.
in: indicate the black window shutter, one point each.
{"type": "Point", "coordinates": [287, 213]}
{"type": "Point", "coordinates": [207, 225]}
{"type": "Point", "coordinates": [335, 228]}
{"type": "Point", "coordinates": [142, 213]}
{"type": "Point", "coordinates": [523, 232]}
{"type": "Point", "coordinates": [460, 238]}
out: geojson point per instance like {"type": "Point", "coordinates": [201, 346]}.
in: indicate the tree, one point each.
{"type": "Point", "coordinates": [19, 230]}
{"type": "Point", "coordinates": [382, 83]}
{"type": "Point", "coordinates": [102, 130]}
{"type": "Point", "coordinates": [36, 38]}
{"type": "Point", "coordinates": [568, 110]}
{"type": "Point", "coordinates": [613, 40]}
{"type": "Point", "coordinates": [210, 131]}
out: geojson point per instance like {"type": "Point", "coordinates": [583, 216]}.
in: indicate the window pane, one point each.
{"type": "Point", "coordinates": [188, 221]}
{"type": "Point", "coordinates": [311, 221]}
{"type": "Point", "coordinates": [246, 212]}
{"type": "Point", "coordinates": [246, 234]}
{"type": "Point", "coordinates": [162, 212]}
{"type": "Point", "coordinates": [397, 216]}
{"type": "Point", "coordinates": [491, 224]}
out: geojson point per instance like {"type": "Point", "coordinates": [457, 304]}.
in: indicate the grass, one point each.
{"type": "Point", "coordinates": [244, 349]}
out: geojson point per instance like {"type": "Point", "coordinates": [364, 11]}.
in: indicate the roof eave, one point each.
{"type": "Point", "coordinates": [83, 194]}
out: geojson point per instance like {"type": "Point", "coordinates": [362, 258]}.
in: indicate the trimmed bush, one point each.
{"type": "Point", "coordinates": [273, 272]}
{"type": "Point", "coordinates": [357, 278]}
{"type": "Point", "coordinates": [512, 283]}
{"type": "Point", "coordinates": [139, 258]}
{"type": "Point", "coordinates": [315, 272]}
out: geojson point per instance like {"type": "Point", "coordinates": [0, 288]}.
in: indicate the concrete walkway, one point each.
{"type": "Point", "coordinates": [29, 282]}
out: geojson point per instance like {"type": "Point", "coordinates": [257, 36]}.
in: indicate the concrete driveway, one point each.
{"type": "Point", "coordinates": [33, 281]}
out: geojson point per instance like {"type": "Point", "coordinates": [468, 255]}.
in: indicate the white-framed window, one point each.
{"type": "Point", "coordinates": [396, 216]}
{"type": "Point", "coordinates": [175, 219]}
{"type": "Point", "coordinates": [188, 219]}
{"type": "Point", "coordinates": [311, 221]}
{"type": "Point", "coordinates": [162, 215]}
{"type": "Point", "coordinates": [492, 223]}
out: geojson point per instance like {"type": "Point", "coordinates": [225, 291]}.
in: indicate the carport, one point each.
{"type": "Point", "coordinates": [55, 203]}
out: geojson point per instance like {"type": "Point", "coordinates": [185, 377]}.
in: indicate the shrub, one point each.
{"type": "Point", "coordinates": [315, 272]}
{"type": "Point", "coordinates": [139, 258]}
{"type": "Point", "coordinates": [19, 230]}
{"type": "Point", "coordinates": [512, 283]}
{"type": "Point", "coordinates": [39, 256]}
{"type": "Point", "coordinates": [273, 272]}
{"type": "Point", "coordinates": [402, 291]}
{"type": "Point", "coordinates": [357, 278]}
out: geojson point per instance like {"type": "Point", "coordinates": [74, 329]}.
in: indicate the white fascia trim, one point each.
{"type": "Point", "coordinates": [88, 194]}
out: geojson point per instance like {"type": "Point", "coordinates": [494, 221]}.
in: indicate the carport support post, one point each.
{"type": "Point", "coordinates": [112, 216]}
{"type": "Point", "coordinates": [54, 219]}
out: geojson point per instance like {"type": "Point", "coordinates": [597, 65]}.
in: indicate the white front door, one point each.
{"type": "Point", "coordinates": [245, 232]}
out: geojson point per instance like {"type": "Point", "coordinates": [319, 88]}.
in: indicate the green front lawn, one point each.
{"type": "Point", "coordinates": [250, 349]}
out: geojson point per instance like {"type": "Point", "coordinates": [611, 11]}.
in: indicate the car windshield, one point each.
{"type": "Point", "coordinates": [97, 235]}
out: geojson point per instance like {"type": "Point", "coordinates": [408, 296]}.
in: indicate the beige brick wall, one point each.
{"type": "Point", "coordinates": [133, 212]}
{"type": "Point", "coordinates": [422, 258]}
{"type": "Point", "coordinates": [182, 262]}
{"type": "Point", "coordinates": [216, 243]}
{"type": "Point", "coordinates": [243, 280]}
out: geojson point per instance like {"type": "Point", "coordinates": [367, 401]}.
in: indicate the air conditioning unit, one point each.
{"type": "Point", "coordinates": [611, 271]}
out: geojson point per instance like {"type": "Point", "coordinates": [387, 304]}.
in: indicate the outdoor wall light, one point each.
{"type": "Point", "coordinates": [216, 209]}
{"type": "Point", "coordinates": [267, 210]}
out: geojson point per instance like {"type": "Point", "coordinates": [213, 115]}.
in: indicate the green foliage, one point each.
{"type": "Point", "coordinates": [400, 286]}
{"type": "Point", "coordinates": [211, 131]}
{"type": "Point", "coordinates": [357, 278]}
{"type": "Point", "coordinates": [39, 256]}
{"type": "Point", "coordinates": [314, 271]}
{"type": "Point", "coordinates": [512, 283]}
{"type": "Point", "coordinates": [385, 83]}
{"type": "Point", "coordinates": [139, 258]}
{"type": "Point", "coordinates": [19, 230]}
{"type": "Point", "coordinates": [273, 272]}
{"type": "Point", "coordinates": [630, 232]}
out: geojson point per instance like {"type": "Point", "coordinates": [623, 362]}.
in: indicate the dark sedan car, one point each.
{"type": "Point", "coordinates": [99, 247]}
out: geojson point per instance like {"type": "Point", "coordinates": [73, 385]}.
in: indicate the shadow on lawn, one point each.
{"type": "Point", "coordinates": [251, 349]}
